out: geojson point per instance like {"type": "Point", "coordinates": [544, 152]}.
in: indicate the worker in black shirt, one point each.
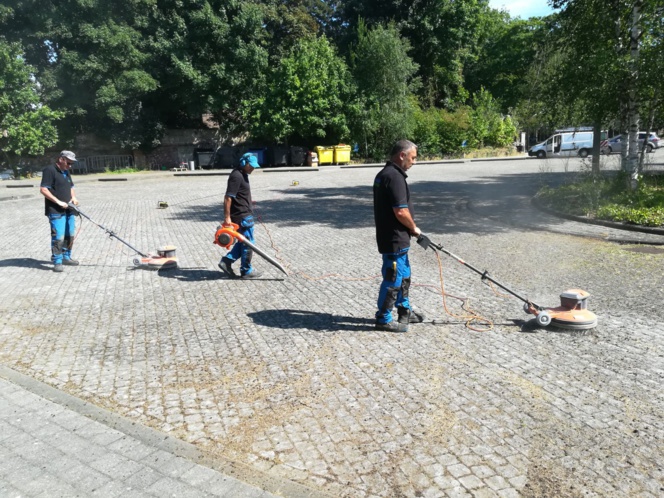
{"type": "Point", "coordinates": [393, 215]}
{"type": "Point", "coordinates": [238, 209]}
{"type": "Point", "coordinates": [57, 187]}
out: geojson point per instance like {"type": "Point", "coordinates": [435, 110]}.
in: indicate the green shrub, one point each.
{"type": "Point", "coordinates": [453, 128]}
{"type": "Point", "coordinates": [425, 132]}
{"type": "Point", "coordinates": [607, 198]}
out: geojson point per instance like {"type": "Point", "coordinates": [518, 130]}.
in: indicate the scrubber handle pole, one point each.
{"type": "Point", "coordinates": [110, 233]}
{"type": "Point", "coordinates": [426, 242]}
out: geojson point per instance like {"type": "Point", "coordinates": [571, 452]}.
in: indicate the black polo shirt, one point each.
{"type": "Point", "coordinates": [238, 189]}
{"type": "Point", "coordinates": [391, 191]}
{"type": "Point", "coordinates": [60, 184]}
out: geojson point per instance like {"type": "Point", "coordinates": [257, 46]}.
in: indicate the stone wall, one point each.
{"type": "Point", "coordinates": [177, 146]}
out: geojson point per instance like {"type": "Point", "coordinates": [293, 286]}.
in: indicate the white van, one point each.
{"type": "Point", "coordinates": [565, 144]}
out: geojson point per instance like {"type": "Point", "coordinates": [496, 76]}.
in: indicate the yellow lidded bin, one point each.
{"type": "Point", "coordinates": [325, 154]}
{"type": "Point", "coordinates": [341, 154]}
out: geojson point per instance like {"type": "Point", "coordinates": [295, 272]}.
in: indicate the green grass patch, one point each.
{"type": "Point", "coordinates": [608, 198]}
{"type": "Point", "coordinates": [123, 171]}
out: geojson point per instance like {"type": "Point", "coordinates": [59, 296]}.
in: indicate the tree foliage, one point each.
{"type": "Point", "coordinates": [443, 35]}
{"type": "Point", "coordinates": [385, 77]}
{"type": "Point", "coordinates": [26, 125]}
{"type": "Point", "coordinates": [439, 132]}
{"type": "Point", "coordinates": [506, 49]}
{"type": "Point", "coordinates": [488, 125]}
{"type": "Point", "coordinates": [126, 69]}
{"type": "Point", "coordinates": [309, 98]}
{"type": "Point", "coordinates": [603, 67]}
{"type": "Point", "coordinates": [369, 71]}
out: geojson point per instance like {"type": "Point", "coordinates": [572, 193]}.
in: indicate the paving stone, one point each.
{"type": "Point", "coordinates": [471, 482]}
{"type": "Point", "coordinates": [131, 448]}
{"type": "Point", "coordinates": [458, 470]}
{"type": "Point", "coordinates": [167, 464]}
{"type": "Point", "coordinates": [288, 376]}
{"type": "Point", "coordinates": [496, 482]}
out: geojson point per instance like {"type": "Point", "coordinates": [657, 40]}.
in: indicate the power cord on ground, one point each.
{"type": "Point", "coordinates": [470, 318]}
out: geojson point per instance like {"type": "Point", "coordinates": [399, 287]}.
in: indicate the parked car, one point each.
{"type": "Point", "coordinates": [654, 141]}
{"type": "Point", "coordinates": [7, 175]}
{"type": "Point", "coordinates": [615, 144]}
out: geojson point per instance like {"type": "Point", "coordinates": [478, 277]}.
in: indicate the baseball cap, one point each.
{"type": "Point", "coordinates": [67, 154]}
{"type": "Point", "coordinates": [249, 159]}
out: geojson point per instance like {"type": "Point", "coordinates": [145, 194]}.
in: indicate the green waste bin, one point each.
{"type": "Point", "coordinates": [325, 154]}
{"type": "Point", "coordinates": [341, 154]}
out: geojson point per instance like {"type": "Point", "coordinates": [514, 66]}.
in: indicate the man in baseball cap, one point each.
{"type": "Point", "coordinates": [238, 209]}
{"type": "Point", "coordinates": [68, 155]}
{"type": "Point", "coordinates": [57, 187]}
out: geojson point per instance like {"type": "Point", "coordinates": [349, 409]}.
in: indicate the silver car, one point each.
{"type": "Point", "coordinates": [615, 144]}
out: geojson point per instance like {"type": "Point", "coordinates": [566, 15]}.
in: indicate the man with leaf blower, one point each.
{"type": "Point", "coordinates": [57, 187]}
{"type": "Point", "coordinates": [393, 215]}
{"type": "Point", "coordinates": [238, 209]}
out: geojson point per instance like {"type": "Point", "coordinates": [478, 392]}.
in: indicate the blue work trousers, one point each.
{"type": "Point", "coordinates": [242, 251]}
{"type": "Point", "coordinates": [395, 285]}
{"type": "Point", "coordinates": [63, 228]}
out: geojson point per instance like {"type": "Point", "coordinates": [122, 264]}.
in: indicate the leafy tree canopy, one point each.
{"type": "Point", "coordinates": [26, 125]}
{"type": "Point", "coordinates": [128, 68]}
{"type": "Point", "coordinates": [385, 76]}
{"type": "Point", "coordinates": [443, 35]}
{"type": "Point", "coordinates": [310, 97]}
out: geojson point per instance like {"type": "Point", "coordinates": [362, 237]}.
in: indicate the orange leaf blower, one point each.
{"type": "Point", "coordinates": [227, 235]}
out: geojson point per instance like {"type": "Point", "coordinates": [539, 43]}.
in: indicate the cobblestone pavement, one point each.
{"type": "Point", "coordinates": [287, 375]}
{"type": "Point", "coordinates": [48, 449]}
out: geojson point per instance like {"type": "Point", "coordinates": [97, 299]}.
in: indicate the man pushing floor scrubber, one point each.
{"type": "Point", "coordinates": [395, 226]}
{"type": "Point", "coordinates": [393, 214]}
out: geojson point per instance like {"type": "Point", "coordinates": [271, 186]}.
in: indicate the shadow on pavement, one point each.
{"type": "Point", "coordinates": [201, 274]}
{"type": "Point", "coordinates": [437, 204]}
{"type": "Point", "coordinates": [192, 274]}
{"type": "Point", "coordinates": [311, 320]}
{"type": "Point", "coordinates": [26, 263]}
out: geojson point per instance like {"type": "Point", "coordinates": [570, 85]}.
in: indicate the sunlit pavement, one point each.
{"type": "Point", "coordinates": [286, 377]}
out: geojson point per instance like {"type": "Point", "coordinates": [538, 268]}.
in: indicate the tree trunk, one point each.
{"type": "Point", "coordinates": [650, 122]}
{"type": "Point", "coordinates": [633, 97]}
{"type": "Point", "coordinates": [597, 140]}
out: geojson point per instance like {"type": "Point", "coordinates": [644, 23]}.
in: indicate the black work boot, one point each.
{"type": "Point", "coordinates": [226, 267]}
{"type": "Point", "coordinates": [392, 327]}
{"type": "Point", "coordinates": [251, 274]}
{"type": "Point", "coordinates": [409, 315]}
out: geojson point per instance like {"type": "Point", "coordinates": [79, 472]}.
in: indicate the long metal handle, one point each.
{"type": "Point", "coordinates": [426, 242]}
{"type": "Point", "coordinates": [110, 232]}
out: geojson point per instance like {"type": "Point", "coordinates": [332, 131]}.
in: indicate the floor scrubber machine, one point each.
{"type": "Point", "coordinates": [164, 259]}
{"type": "Point", "coordinates": [572, 314]}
